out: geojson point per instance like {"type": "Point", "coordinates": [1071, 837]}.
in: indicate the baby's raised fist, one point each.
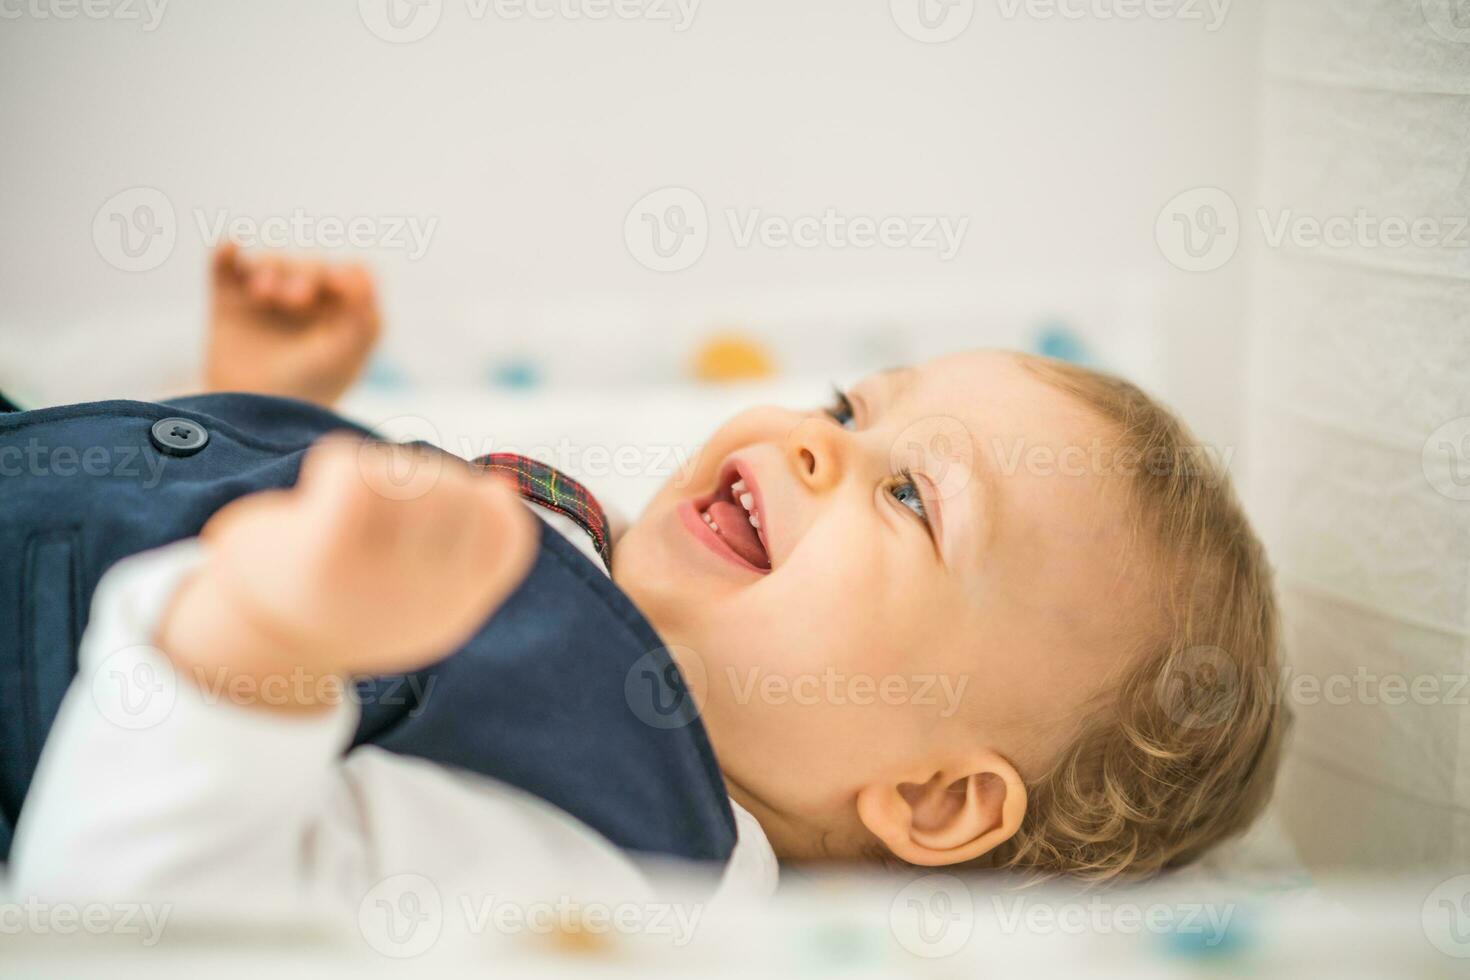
{"type": "Point", "coordinates": [287, 326]}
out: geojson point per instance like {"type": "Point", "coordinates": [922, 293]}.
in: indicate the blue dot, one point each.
{"type": "Point", "coordinates": [519, 374]}
{"type": "Point", "coordinates": [1056, 339]}
{"type": "Point", "coordinates": [382, 373]}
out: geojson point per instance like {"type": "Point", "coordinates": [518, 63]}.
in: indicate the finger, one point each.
{"type": "Point", "coordinates": [338, 483]}
{"type": "Point", "coordinates": [300, 286]}
{"type": "Point", "coordinates": [447, 513]}
{"type": "Point", "coordinates": [394, 473]}
{"type": "Point", "coordinates": [506, 545]}
{"type": "Point", "coordinates": [351, 286]}
{"type": "Point", "coordinates": [456, 525]}
{"type": "Point", "coordinates": [265, 281]}
{"type": "Point", "coordinates": [345, 337]}
{"type": "Point", "coordinates": [497, 504]}
{"type": "Point", "coordinates": [498, 487]}
{"type": "Point", "coordinates": [228, 273]}
{"type": "Point", "coordinates": [226, 256]}
{"type": "Point", "coordinates": [239, 510]}
{"type": "Point", "coordinates": [327, 459]}
{"type": "Point", "coordinates": [339, 344]}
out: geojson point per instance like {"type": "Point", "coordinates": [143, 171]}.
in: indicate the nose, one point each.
{"type": "Point", "coordinates": [817, 451]}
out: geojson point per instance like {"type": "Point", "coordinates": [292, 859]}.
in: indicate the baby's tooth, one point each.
{"type": "Point", "coordinates": [747, 500]}
{"type": "Point", "coordinates": [737, 487]}
{"type": "Point", "coordinates": [755, 522]}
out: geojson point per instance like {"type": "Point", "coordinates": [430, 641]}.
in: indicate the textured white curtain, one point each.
{"type": "Point", "coordinates": [1361, 420]}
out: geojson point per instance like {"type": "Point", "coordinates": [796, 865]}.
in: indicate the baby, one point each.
{"type": "Point", "coordinates": [989, 611]}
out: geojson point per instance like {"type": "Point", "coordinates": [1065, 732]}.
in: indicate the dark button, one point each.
{"type": "Point", "coordinates": [179, 437]}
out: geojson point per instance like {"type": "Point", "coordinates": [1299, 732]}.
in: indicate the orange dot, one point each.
{"type": "Point", "coordinates": [733, 357]}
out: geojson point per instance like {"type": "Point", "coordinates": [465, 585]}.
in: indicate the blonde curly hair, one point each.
{"type": "Point", "coordinates": [1183, 752]}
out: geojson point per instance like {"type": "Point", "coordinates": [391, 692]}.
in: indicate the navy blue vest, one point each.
{"type": "Point", "coordinates": [566, 692]}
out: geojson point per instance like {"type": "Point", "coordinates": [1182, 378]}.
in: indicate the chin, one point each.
{"type": "Point", "coordinates": [661, 565]}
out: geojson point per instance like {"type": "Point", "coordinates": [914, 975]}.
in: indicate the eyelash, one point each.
{"type": "Point", "coordinates": [841, 411]}
{"type": "Point", "coordinates": [905, 479]}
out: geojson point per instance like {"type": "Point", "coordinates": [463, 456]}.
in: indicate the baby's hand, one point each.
{"type": "Point", "coordinates": [287, 326]}
{"type": "Point", "coordinates": [381, 560]}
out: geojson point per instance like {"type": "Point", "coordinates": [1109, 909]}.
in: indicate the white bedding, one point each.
{"type": "Point", "coordinates": [855, 925]}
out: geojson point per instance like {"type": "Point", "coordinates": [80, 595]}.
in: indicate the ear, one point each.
{"type": "Point", "coordinates": [956, 814]}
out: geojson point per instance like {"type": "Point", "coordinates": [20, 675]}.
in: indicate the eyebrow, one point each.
{"type": "Point", "coordinates": [897, 380]}
{"type": "Point", "coordinates": [984, 492]}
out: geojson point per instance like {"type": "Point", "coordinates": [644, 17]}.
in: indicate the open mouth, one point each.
{"type": "Point", "coordinates": [733, 516]}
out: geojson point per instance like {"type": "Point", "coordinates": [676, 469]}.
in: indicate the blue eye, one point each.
{"type": "Point", "coordinates": [906, 492]}
{"type": "Point", "coordinates": [840, 411]}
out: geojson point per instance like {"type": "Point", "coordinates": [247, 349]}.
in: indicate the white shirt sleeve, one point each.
{"type": "Point", "coordinates": [148, 789]}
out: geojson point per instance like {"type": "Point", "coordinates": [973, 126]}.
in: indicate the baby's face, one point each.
{"type": "Point", "coordinates": [922, 585]}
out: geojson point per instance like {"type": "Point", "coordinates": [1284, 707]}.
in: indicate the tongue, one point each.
{"type": "Point", "coordinates": [736, 531]}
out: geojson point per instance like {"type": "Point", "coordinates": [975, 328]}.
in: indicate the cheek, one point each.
{"type": "Point", "coordinates": [835, 603]}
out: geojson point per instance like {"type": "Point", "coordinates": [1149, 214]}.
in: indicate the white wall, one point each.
{"type": "Point", "coordinates": [1360, 426]}
{"type": "Point", "coordinates": [1060, 138]}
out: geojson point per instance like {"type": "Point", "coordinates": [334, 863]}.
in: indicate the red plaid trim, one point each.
{"type": "Point", "coordinates": [549, 487]}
